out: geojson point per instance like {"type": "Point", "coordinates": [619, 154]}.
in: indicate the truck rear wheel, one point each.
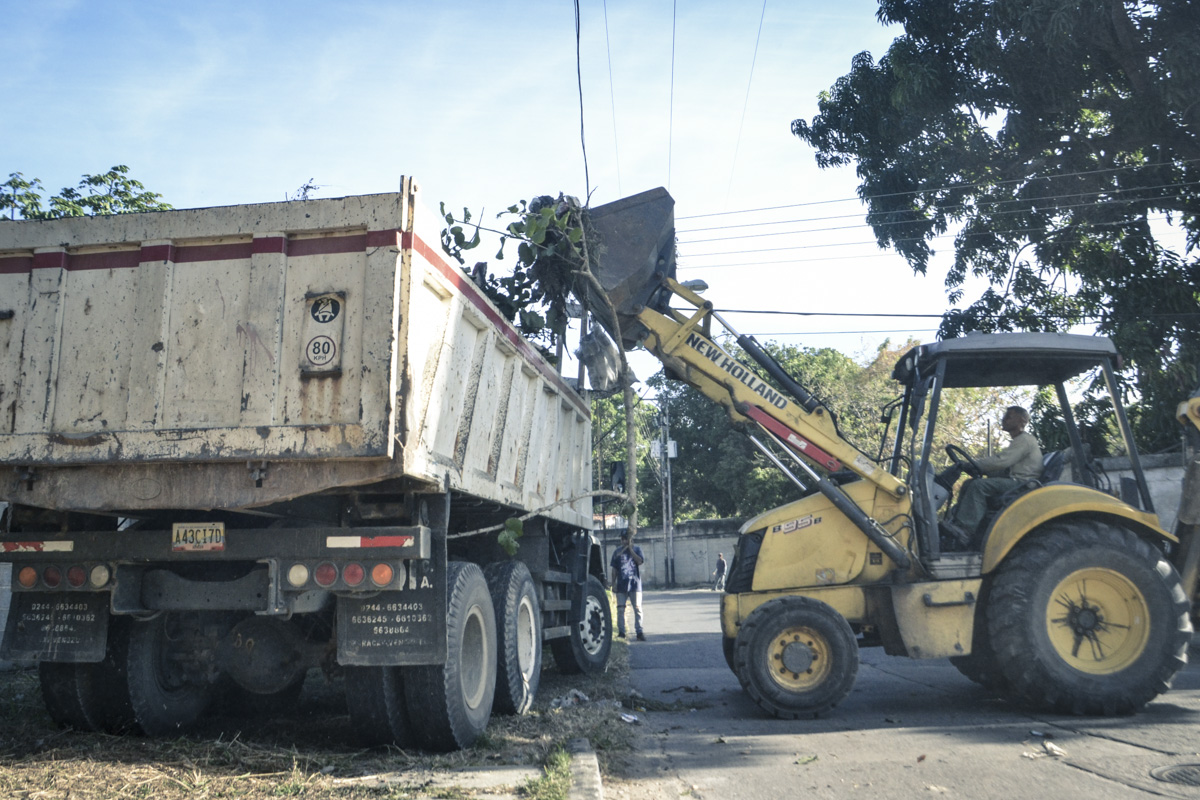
{"type": "Point", "coordinates": [454, 700]}
{"type": "Point", "coordinates": [518, 635]}
{"type": "Point", "coordinates": [91, 696]}
{"type": "Point", "coordinates": [169, 690]}
{"type": "Point", "coordinates": [1087, 618]}
{"type": "Point", "coordinates": [796, 657]}
{"type": "Point", "coordinates": [586, 649]}
{"type": "Point", "coordinates": [378, 708]}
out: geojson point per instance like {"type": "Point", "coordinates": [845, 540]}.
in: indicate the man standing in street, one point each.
{"type": "Point", "coordinates": [627, 582]}
{"type": "Point", "coordinates": [720, 573]}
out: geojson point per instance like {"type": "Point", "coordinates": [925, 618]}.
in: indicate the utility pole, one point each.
{"type": "Point", "coordinates": [668, 511]}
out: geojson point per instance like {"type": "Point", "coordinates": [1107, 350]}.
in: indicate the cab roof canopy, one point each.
{"type": "Point", "coordinates": [1008, 359]}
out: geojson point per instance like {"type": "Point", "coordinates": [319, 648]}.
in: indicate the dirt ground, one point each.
{"type": "Point", "coordinates": [308, 751]}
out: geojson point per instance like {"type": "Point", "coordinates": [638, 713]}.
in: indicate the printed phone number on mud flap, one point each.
{"type": "Point", "coordinates": [58, 606]}
{"type": "Point", "coordinates": [367, 619]}
{"type": "Point", "coordinates": [63, 618]}
{"type": "Point", "coordinates": [382, 607]}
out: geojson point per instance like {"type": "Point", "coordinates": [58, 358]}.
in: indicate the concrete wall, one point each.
{"type": "Point", "coordinates": [697, 542]}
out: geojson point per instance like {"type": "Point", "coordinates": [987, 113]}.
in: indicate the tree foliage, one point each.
{"type": "Point", "coordinates": [1049, 136]}
{"type": "Point", "coordinates": [112, 192]}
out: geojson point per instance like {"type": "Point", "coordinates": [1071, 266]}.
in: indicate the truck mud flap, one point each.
{"type": "Point", "coordinates": [393, 628]}
{"type": "Point", "coordinates": [70, 628]}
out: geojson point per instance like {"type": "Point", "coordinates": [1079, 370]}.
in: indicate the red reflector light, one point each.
{"type": "Point", "coordinates": [353, 574]}
{"type": "Point", "coordinates": [52, 576]}
{"type": "Point", "coordinates": [27, 577]}
{"type": "Point", "coordinates": [325, 574]}
{"type": "Point", "coordinates": [76, 576]}
{"type": "Point", "coordinates": [382, 574]}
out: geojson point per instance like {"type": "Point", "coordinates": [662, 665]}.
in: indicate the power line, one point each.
{"type": "Point", "coordinates": [612, 99]}
{"type": "Point", "coordinates": [995, 211]}
{"type": "Point", "coordinates": [1081, 173]}
{"type": "Point", "coordinates": [856, 244]}
{"type": "Point", "coordinates": [671, 101]}
{"type": "Point", "coordinates": [587, 182]}
{"type": "Point", "coordinates": [738, 143]}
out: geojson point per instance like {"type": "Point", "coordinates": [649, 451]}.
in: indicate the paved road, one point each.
{"type": "Point", "coordinates": [909, 729]}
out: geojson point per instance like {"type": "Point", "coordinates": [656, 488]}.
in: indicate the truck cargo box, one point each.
{"type": "Point", "coordinates": [240, 356]}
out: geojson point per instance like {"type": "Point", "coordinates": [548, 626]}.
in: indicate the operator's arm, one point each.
{"type": "Point", "coordinates": [1022, 448]}
{"type": "Point", "coordinates": [636, 552]}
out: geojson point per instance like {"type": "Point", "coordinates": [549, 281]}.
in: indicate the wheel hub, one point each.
{"type": "Point", "coordinates": [1098, 621]}
{"type": "Point", "coordinates": [797, 657]}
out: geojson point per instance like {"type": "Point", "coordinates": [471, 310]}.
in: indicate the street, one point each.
{"type": "Point", "coordinates": [908, 729]}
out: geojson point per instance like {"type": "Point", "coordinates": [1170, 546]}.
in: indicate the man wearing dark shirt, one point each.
{"type": "Point", "coordinates": [627, 582]}
{"type": "Point", "coordinates": [720, 573]}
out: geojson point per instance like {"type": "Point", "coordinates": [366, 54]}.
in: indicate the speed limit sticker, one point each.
{"type": "Point", "coordinates": [323, 327]}
{"type": "Point", "coordinates": [321, 350]}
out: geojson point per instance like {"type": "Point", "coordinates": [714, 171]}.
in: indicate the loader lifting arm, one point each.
{"type": "Point", "coordinates": [636, 270]}
{"type": "Point", "coordinates": [1187, 521]}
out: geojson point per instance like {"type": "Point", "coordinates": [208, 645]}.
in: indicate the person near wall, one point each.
{"type": "Point", "coordinates": [1016, 464]}
{"type": "Point", "coordinates": [626, 565]}
{"type": "Point", "coordinates": [719, 586]}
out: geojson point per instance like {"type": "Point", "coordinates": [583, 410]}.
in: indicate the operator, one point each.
{"type": "Point", "coordinates": [1016, 464]}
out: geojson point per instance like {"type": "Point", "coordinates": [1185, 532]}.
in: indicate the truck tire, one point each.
{"type": "Point", "coordinates": [453, 701]}
{"type": "Point", "coordinates": [586, 649]}
{"type": "Point", "coordinates": [1087, 618]}
{"type": "Point", "coordinates": [167, 699]}
{"type": "Point", "coordinates": [377, 705]}
{"type": "Point", "coordinates": [518, 635]}
{"type": "Point", "coordinates": [796, 657]}
{"type": "Point", "coordinates": [980, 666]}
{"type": "Point", "coordinates": [92, 696]}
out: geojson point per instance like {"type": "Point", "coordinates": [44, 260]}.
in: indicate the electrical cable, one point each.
{"type": "Point", "coordinates": [741, 124]}
{"type": "Point", "coordinates": [1081, 173]}
{"type": "Point", "coordinates": [587, 183]}
{"type": "Point", "coordinates": [995, 212]}
{"type": "Point", "coordinates": [612, 101]}
{"type": "Point", "coordinates": [671, 102]}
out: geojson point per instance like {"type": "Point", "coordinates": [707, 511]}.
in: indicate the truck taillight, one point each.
{"type": "Point", "coordinates": [382, 574]}
{"type": "Point", "coordinates": [325, 574]}
{"type": "Point", "coordinates": [353, 574]}
{"type": "Point", "coordinates": [27, 577]}
{"type": "Point", "coordinates": [52, 576]}
{"type": "Point", "coordinates": [76, 575]}
{"type": "Point", "coordinates": [297, 575]}
{"type": "Point", "coordinates": [100, 575]}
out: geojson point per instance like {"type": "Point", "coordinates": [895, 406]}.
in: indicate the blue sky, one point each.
{"type": "Point", "coordinates": [215, 103]}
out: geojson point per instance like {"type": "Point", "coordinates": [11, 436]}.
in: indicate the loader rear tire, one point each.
{"type": "Point", "coordinates": [796, 657]}
{"type": "Point", "coordinates": [518, 635]}
{"type": "Point", "coordinates": [980, 666]}
{"type": "Point", "coordinates": [453, 701]}
{"type": "Point", "coordinates": [1087, 618]}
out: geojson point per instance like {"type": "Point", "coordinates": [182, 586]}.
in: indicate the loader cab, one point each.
{"type": "Point", "coordinates": [932, 373]}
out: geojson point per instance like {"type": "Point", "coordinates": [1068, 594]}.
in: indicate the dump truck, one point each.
{"type": "Point", "coordinates": [1064, 598]}
{"type": "Point", "coordinates": [242, 443]}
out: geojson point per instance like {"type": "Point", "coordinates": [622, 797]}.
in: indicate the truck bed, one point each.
{"type": "Point", "coordinates": [239, 356]}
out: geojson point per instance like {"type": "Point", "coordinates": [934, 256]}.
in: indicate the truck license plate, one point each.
{"type": "Point", "coordinates": [188, 537]}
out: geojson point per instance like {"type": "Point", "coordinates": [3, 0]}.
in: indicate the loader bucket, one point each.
{"type": "Point", "coordinates": [636, 249]}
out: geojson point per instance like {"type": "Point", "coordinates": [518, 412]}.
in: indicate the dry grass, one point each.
{"type": "Point", "coordinates": [302, 754]}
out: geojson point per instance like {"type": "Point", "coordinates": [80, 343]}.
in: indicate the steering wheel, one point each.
{"type": "Point", "coordinates": [961, 458]}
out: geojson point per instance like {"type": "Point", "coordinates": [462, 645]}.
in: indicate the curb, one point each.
{"type": "Point", "coordinates": [585, 772]}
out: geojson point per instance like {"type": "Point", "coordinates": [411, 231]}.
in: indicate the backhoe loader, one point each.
{"type": "Point", "coordinates": [1066, 597]}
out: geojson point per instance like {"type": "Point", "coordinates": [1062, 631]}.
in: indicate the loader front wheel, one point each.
{"type": "Point", "coordinates": [796, 657]}
{"type": "Point", "coordinates": [1087, 618]}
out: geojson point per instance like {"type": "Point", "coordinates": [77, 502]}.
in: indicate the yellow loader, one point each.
{"type": "Point", "coordinates": [1065, 599]}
